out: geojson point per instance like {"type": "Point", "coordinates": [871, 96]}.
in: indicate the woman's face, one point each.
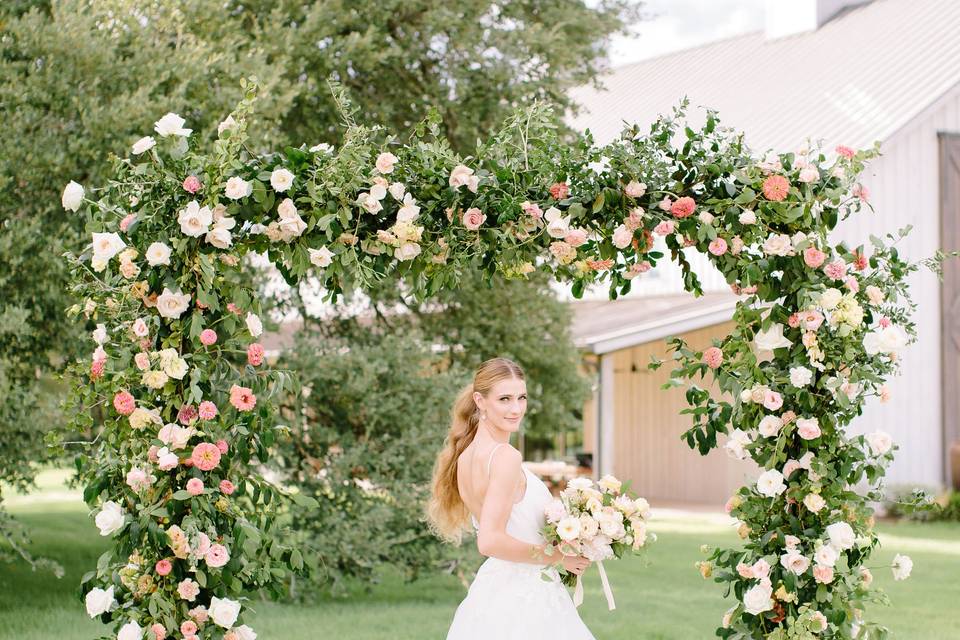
{"type": "Point", "coordinates": [505, 405]}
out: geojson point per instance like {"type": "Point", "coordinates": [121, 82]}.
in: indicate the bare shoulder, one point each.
{"type": "Point", "coordinates": [506, 458]}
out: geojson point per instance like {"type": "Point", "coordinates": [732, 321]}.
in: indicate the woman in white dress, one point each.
{"type": "Point", "coordinates": [480, 483]}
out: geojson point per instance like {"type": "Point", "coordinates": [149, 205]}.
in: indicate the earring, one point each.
{"type": "Point", "coordinates": [483, 416]}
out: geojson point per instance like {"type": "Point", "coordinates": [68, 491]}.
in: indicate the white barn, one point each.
{"type": "Point", "coordinates": [847, 73]}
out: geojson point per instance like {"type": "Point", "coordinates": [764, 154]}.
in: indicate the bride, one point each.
{"type": "Point", "coordinates": [478, 478]}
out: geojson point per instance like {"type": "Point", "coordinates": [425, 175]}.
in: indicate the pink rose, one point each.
{"type": "Point", "coordinates": [684, 207]}
{"type": "Point", "coordinates": [713, 357]}
{"type": "Point", "coordinates": [255, 354]}
{"type": "Point", "coordinates": [575, 237]}
{"type": "Point", "coordinates": [823, 575]}
{"type": "Point", "coordinates": [559, 190]}
{"type": "Point", "coordinates": [836, 270]}
{"type": "Point", "coordinates": [811, 320]}
{"type": "Point", "coordinates": [852, 283]}
{"type": "Point", "coordinates": [772, 400]}
{"type": "Point", "coordinates": [188, 589]}
{"type": "Point", "coordinates": [194, 486]}
{"type": "Point", "coordinates": [813, 257]}
{"type": "Point", "coordinates": [635, 189]}
{"type": "Point", "coordinates": [163, 567]}
{"type": "Point", "coordinates": [665, 228]}
{"type": "Point", "coordinates": [622, 237]}
{"type": "Point", "coordinates": [217, 556]}
{"type": "Point", "coordinates": [845, 152]}
{"type": "Point", "coordinates": [208, 410]}
{"type": "Point", "coordinates": [636, 269]}
{"type": "Point", "coordinates": [124, 403]}
{"type": "Point", "coordinates": [202, 545]}
{"type": "Point", "coordinates": [152, 453]}
{"type": "Point", "coordinates": [532, 209]}
{"type": "Point", "coordinates": [192, 184]}
{"type": "Point", "coordinates": [188, 628]}
{"type": "Point", "coordinates": [199, 614]}
{"type": "Point", "coordinates": [205, 456]}
{"type": "Point", "coordinates": [227, 487]}
{"type": "Point", "coordinates": [208, 337]}
{"type": "Point", "coordinates": [761, 569]}
{"type": "Point", "coordinates": [731, 501]}
{"type": "Point", "coordinates": [140, 328]}
{"type": "Point", "coordinates": [776, 188]}
{"type": "Point", "coordinates": [718, 247]}
{"type": "Point", "coordinates": [745, 571]}
{"type": "Point", "coordinates": [808, 428]}
{"type": "Point", "coordinates": [789, 467]}
{"type": "Point", "coordinates": [159, 631]}
{"type": "Point", "coordinates": [242, 398]}
{"type": "Point", "coordinates": [473, 218]}
{"type": "Point", "coordinates": [666, 204]}
{"type": "Point", "coordinates": [127, 221]}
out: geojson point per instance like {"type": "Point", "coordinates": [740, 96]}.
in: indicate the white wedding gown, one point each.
{"type": "Point", "coordinates": [518, 600]}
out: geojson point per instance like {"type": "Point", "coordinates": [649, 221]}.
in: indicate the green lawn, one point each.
{"type": "Point", "coordinates": [660, 598]}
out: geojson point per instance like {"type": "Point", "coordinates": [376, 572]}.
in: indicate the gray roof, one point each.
{"type": "Point", "coordinates": [857, 79]}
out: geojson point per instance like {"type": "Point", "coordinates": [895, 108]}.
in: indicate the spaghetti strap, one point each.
{"type": "Point", "coordinates": [490, 459]}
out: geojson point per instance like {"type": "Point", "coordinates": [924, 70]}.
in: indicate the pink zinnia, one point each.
{"type": "Point", "coordinates": [684, 207]}
{"type": "Point", "coordinates": [187, 414]}
{"type": "Point", "coordinates": [127, 221]}
{"type": "Point", "coordinates": [813, 257]}
{"type": "Point", "coordinates": [188, 628]}
{"type": "Point", "coordinates": [96, 369]}
{"type": "Point", "coordinates": [665, 228]}
{"type": "Point", "coordinates": [208, 410]}
{"type": "Point", "coordinates": [163, 567]}
{"type": "Point", "coordinates": [559, 190]}
{"type": "Point", "coordinates": [255, 354]}
{"type": "Point", "coordinates": [159, 631]}
{"type": "Point", "coordinates": [845, 151]}
{"type": "Point", "coordinates": [208, 337]}
{"type": "Point", "coordinates": [713, 357]}
{"type": "Point", "coordinates": [194, 486]}
{"type": "Point", "coordinates": [884, 322]}
{"type": "Point", "coordinates": [217, 556]}
{"type": "Point", "coordinates": [223, 446]}
{"type": "Point", "coordinates": [124, 403]}
{"type": "Point", "coordinates": [192, 184]}
{"type": "Point", "coordinates": [776, 187]}
{"type": "Point", "coordinates": [718, 247]}
{"type": "Point", "coordinates": [242, 398]}
{"type": "Point", "coordinates": [836, 270]}
{"type": "Point", "coordinates": [205, 456]}
{"type": "Point", "coordinates": [227, 487]}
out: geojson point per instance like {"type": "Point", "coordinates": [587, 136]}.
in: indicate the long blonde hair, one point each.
{"type": "Point", "coordinates": [447, 515]}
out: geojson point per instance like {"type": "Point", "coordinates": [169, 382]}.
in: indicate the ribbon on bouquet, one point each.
{"type": "Point", "coordinates": [578, 590]}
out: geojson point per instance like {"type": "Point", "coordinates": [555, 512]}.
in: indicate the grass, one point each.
{"type": "Point", "coordinates": [660, 598]}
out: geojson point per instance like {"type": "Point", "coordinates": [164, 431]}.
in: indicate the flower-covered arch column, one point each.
{"type": "Point", "coordinates": [183, 401]}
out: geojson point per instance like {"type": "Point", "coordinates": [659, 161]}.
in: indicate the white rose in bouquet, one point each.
{"type": "Point", "coordinates": [110, 519]}
{"type": "Point", "coordinates": [99, 601]}
{"type": "Point", "coordinates": [72, 196]}
{"type": "Point", "coordinates": [223, 611]}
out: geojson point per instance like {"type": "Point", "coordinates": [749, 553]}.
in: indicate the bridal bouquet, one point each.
{"type": "Point", "coordinates": [599, 521]}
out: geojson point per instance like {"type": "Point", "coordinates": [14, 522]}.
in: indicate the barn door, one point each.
{"type": "Point", "coordinates": [950, 300]}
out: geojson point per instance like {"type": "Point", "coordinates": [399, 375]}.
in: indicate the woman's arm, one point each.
{"type": "Point", "coordinates": [493, 539]}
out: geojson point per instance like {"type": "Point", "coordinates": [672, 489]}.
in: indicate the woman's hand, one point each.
{"type": "Point", "coordinates": [575, 564]}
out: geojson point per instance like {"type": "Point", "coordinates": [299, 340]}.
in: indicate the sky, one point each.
{"type": "Point", "coordinates": [679, 24]}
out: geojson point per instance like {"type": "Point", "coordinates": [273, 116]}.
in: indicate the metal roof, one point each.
{"type": "Point", "coordinates": [857, 79]}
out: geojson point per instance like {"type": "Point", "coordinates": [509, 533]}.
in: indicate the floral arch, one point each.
{"type": "Point", "coordinates": [183, 402]}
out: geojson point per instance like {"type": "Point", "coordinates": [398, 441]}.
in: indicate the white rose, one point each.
{"type": "Point", "coordinates": [809, 174]}
{"type": "Point", "coordinates": [238, 188]}
{"type": "Point", "coordinates": [736, 442]}
{"type": "Point", "coordinates": [747, 216]}
{"type": "Point", "coordinates": [902, 566]}
{"type": "Point", "coordinates": [99, 601]}
{"type": "Point", "coordinates": [460, 176]}
{"type": "Point", "coordinates": [569, 528]}
{"type": "Point", "coordinates": [888, 340]}
{"type": "Point", "coordinates": [770, 426]}
{"type": "Point", "coordinates": [175, 436]}
{"type": "Point", "coordinates": [158, 254]}
{"type": "Point", "coordinates": [370, 202]}
{"type": "Point", "coordinates": [880, 442]}
{"type": "Point", "coordinates": [107, 245]}
{"type": "Point", "coordinates": [758, 599]}
{"type": "Point", "coordinates": [177, 368]}
{"type": "Point", "coordinates": [227, 123]}
{"type": "Point", "coordinates": [171, 125]}
{"type": "Point", "coordinates": [825, 556]}
{"type": "Point", "coordinates": [195, 220]}
{"type": "Point", "coordinates": [610, 483]}
{"type": "Point", "coordinates": [800, 376]}
{"type": "Point", "coordinates": [245, 633]}
{"type": "Point", "coordinates": [281, 180]}
{"type": "Point", "coordinates": [110, 519]}
{"type": "Point", "coordinates": [841, 535]}
{"type": "Point", "coordinates": [72, 196]}
{"type": "Point", "coordinates": [223, 611]}
{"type": "Point", "coordinates": [292, 227]}
{"type": "Point", "coordinates": [172, 304]}
{"type": "Point", "coordinates": [143, 144]}
{"type": "Point", "coordinates": [409, 211]}
{"type": "Point", "coordinates": [795, 562]}
{"type": "Point", "coordinates": [287, 209]}
{"type": "Point", "coordinates": [771, 339]}
{"type": "Point", "coordinates": [385, 162]}
{"type": "Point", "coordinates": [830, 298]}
{"type": "Point", "coordinates": [706, 217]}
{"type": "Point", "coordinates": [407, 251]}
{"type": "Point", "coordinates": [166, 459]}
{"type": "Point", "coordinates": [770, 483]}
{"type": "Point", "coordinates": [323, 147]}
{"type": "Point", "coordinates": [814, 502]}
{"type": "Point", "coordinates": [130, 631]}
{"type": "Point", "coordinates": [778, 244]}
{"type": "Point", "coordinates": [254, 325]}
{"type": "Point", "coordinates": [557, 225]}
{"type": "Point", "coordinates": [397, 190]}
{"type": "Point", "coordinates": [100, 334]}
{"type": "Point", "coordinates": [219, 237]}
{"type": "Point", "coordinates": [643, 507]}
{"type": "Point", "coordinates": [321, 257]}
{"type": "Point", "coordinates": [875, 295]}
